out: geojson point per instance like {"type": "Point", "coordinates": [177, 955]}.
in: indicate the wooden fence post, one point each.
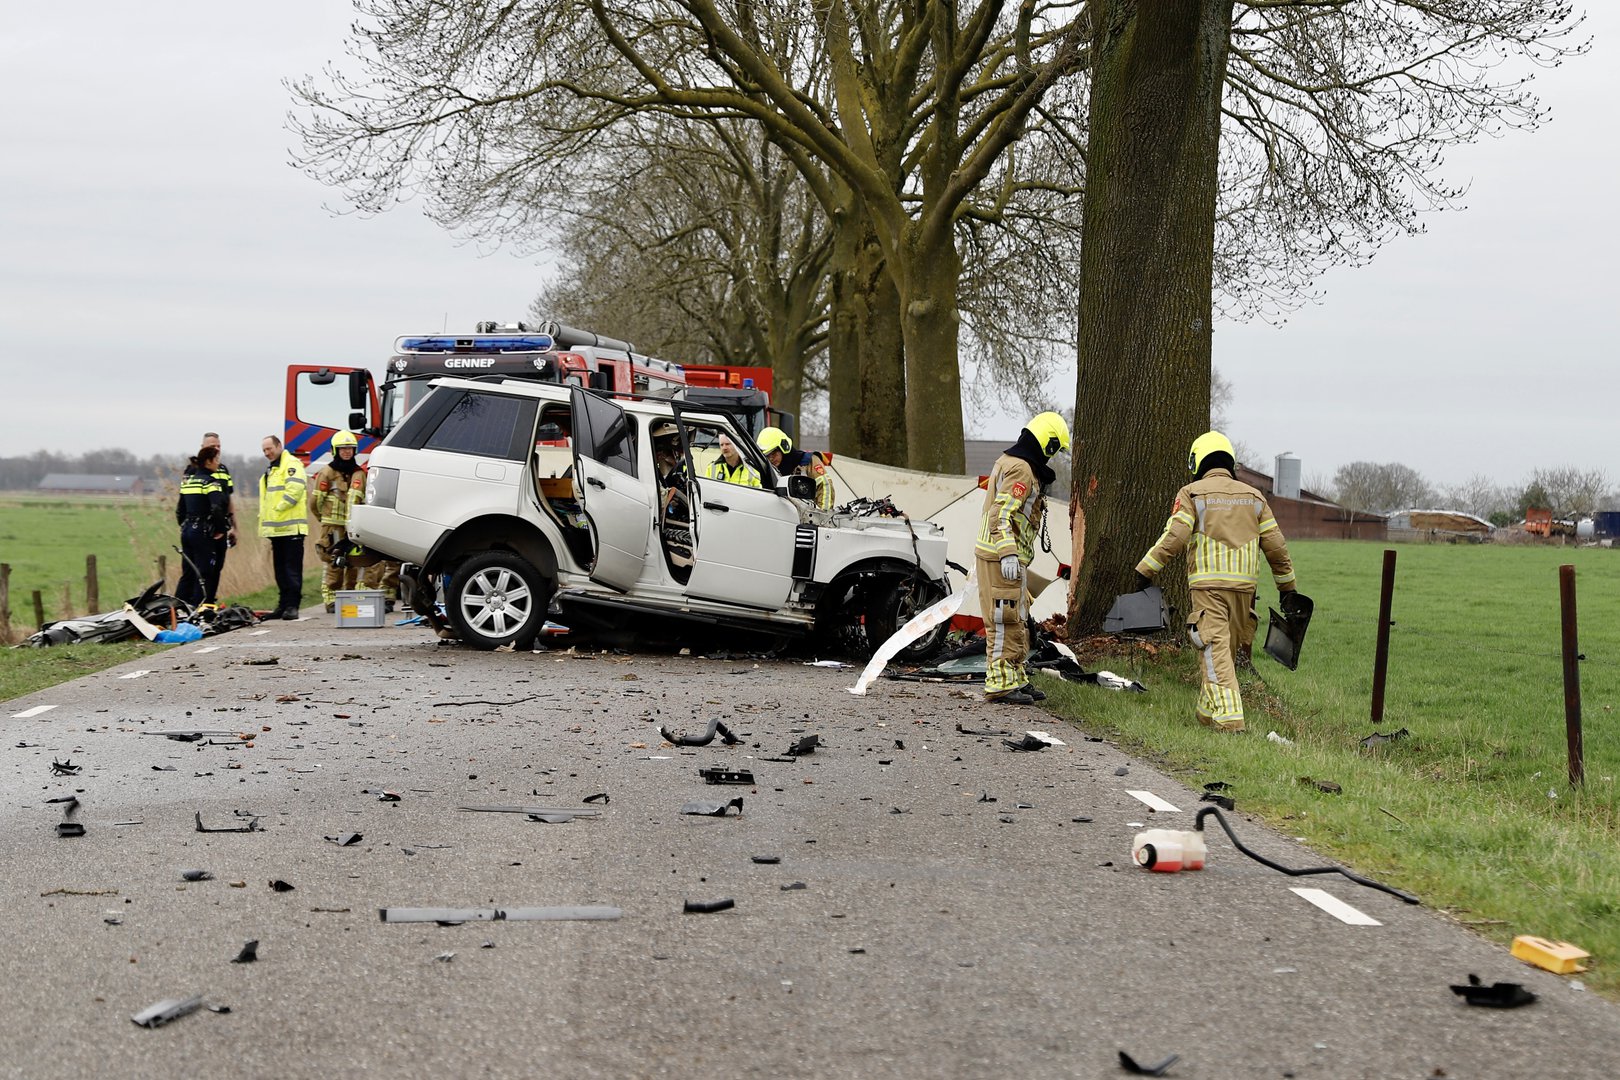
{"type": "Point", "coordinates": [163, 570]}
{"type": "Point", "coordinates": [1572, 676]}
{"type": "Point", "coordinates": [39, 611]}
{"type": "Point", "coordinates": [67, 600]}
{"type": "Point", "coordinates": [1386, 598]}
{"type": "Point", "coordinates": [92, 586]}
{"type": "Point", "coordinates": [5, 603]}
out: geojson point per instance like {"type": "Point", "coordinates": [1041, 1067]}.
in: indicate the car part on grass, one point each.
{"type": "Point", "coordinates": [719, 774]}
{"type": "Point", "coordinates": [168, 1009]}
{"type": "Point", "coordinates": [1142, 612]}
{"type": "Point", "coordinates": [446, 916]}
{"type": "Point", "coordinates": [806, 745]}
{"type": "Point", "coordinates": [706, 808]}
{"type": "Point", "coordinates": [1558, 957]}
{"type": "Point", "coordinates": [708, 907]}
{"type": "Point", "coordinates": [347, 839]}
{"type": "Point", "coordinates": [1326, 787]}
{"type": "Point", "coordinates": [1377, 739]}
{"type": "Point", "coordinates": [1109, 681]}
{"type": "Point", "coordinates": [532, 811]}
{"type": "Point", "coordinates": [715, 725]}
{"type": "Point", "coordinates": [196, 875]}
{"type": "Point", "coordinates": [1502, 995]}
{"type": "Point", "coordinates": [249, 953]}
{"type": "Point", "coordinates": [251, 826]}
{"type": "Point", "coordinates": [1130, 1065]}
{"type": "Point", "coordinates": [1286, 632]}
{"type": "Point", "coordinates": [1210, 811]}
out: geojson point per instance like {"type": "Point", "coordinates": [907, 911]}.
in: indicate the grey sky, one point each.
{"type": "Point", "coordinates": [162, 264]}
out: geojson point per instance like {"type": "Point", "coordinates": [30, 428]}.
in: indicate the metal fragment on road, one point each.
{"type": "Point", "coordinates": [446, 916]}
{"type": "Point", "coordinates": [168, 1009]}
{"type": "Point", "coordinates": [806, 745]}
{"type": "Point", "coordinates": [716, 726]}
{"type": "Point", "coordinates": [718, 774]}
{"type": "Point", "coordinates": [532, 811]}
{"type": "Point", "coordinates": [64, 768]}
{"type": "Point", "coordinates": [708, 907]}
{"type": "Point", "coordinates": [251, 826]}
{"type": "Point", "coordinates": [348, 839]}
{"type": "Point", "coordinates": [706, 808]}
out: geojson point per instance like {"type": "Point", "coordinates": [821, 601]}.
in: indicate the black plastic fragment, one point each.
{"type": "Point", "coordinates": [347, 839]}
{"type": "Point", "coordinates": [1123, 770]}
{"type": "Point", "coordinates": [806, 745]}
{"type": "Point", "coordinates": [552, 819]}
{"type": "Point", "coordinates": [1502, 995]}
{"type": "Point", "coordinates": [281, 886]}
{"type": "Point", "coordinates": [600, 796]}
{"type": "Point", "coordinates": [457, 916]}
{"type": "Point", "coordinates": [251, 826]}
{"type": "Point", "coordinates": [1029, 743]}
{"type": "Point", "coordinates": [196, 875]}
{"type": "Point", "coordinates": [704, 807]}
{"type": "Point", "coordinates": [794, 886]}
{"type": "Point", "coordinates": [985, 796]}
{"type": "Point", "coordinates": [65, 768]}
{"type": "Point", "coordinates": [249, 953]}
{"type": "Point", "coordinates": [69, 828]}
{"type": "Point", "coordinates": [709, 907]}
{"type": "Point", "coordinates": [986, 734]}
{"type": "Point", "coordinates": [715, 726]}
{"type": "Point", "coordinates": [168, 1009]}
{"type": "Point", "coordinates": [1130, 1065]}
{"type": "Point", "coordinates": [1217, 785]}
{"type": "Point", "coordinates": [1376, 739]}
{"type": "Point", "coordinates": [767, 860]}
{"type": "Point", "coordinates": [383, 794]}
{"type": "Point", "coordinates": [1225, 802]}
{"type": "Point", "coordinates": [719, 774]}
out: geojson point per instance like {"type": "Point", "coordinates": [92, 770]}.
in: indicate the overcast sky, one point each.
{"type": "Point", "coordinates": [161, 263]}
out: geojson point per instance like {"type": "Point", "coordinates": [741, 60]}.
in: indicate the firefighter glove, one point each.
{"type": "Point", "coordinates": [1009, 567]}
{"type": "Point", "coordinates": [1291, 603]}
{"type": "Point", "coordinates": [1142, 581]}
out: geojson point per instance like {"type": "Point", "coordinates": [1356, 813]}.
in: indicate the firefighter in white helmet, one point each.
{"type": "Point", "coordinates": [1224, 526]}
{"type": "Point", "coordinates": [1014, 511]}
{"type": "Point", "coordinates": [777, 447]}
{"type": "Point", "coordinates": [329, 502]}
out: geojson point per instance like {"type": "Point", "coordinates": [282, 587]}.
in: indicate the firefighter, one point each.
{"type": "Point", "coordinates": [1224, 526]}
{"type": "Point", "coordinates": [730, 466]}
{"type": "Point", "coordinates": [329, 504]}
{"type": "Point", "coordinates": [778, 449]}
{"type": "Point", "coordinates": [381, 574]}
{"type": "Point", "coordinates": [203, 516]}
{"type": "Point", "coordinates": [282, 522]}
{"type": "Point", "coordinates": [1014, 515]}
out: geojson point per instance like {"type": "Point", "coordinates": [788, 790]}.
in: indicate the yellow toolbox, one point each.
{"type": "Point", "coordinates": [1558, 957]}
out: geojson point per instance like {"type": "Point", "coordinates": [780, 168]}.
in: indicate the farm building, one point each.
{"type": "Point", "coordinates": [1453, 525]}
{"type": "Point", "coordinates": [92, 484]}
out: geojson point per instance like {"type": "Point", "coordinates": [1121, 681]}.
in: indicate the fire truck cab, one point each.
{"type": "Point", "coordinates": [322, 400]}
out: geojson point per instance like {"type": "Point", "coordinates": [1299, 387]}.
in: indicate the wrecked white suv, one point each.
{"type": "Point", "coordinates": [512, 495]}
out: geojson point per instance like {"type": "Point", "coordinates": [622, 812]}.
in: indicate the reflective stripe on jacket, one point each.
{"type": "Point", "coordinates": [1013, 511]}
{"type": "Point", "coordinates": [329, 496]}
{"type": "Point", "coordinates": [1224, 526]}
{"type": "Point", "coordinates": [742, 474]}
{"type": "Point", "coordinates": [281, 499]}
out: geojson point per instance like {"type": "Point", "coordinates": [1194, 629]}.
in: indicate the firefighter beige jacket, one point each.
{"type": "Point", "coordinates": [1013, 511]}
{"type": "Point", "coordinates": [1224, 526]}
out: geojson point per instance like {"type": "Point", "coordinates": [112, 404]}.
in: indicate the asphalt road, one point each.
{"type": "Point", "coordinates": [937, 934]}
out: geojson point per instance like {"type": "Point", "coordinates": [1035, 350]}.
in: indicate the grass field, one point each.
{"type": "Point", "coordinates": [1472, 811]}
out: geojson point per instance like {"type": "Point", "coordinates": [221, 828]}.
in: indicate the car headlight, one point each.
{"type": "Point", "coordinates": [382, 487]}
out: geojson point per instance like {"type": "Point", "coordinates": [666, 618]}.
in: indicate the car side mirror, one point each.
{"type": "Point", "coordinates": [801, 487]}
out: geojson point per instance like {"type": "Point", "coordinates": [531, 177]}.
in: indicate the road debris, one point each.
{"type": "Point", "coordinates": [249, 953]}
{"type": "Point", "coordinates": [1558, 957]}
{"type": "Point", "coordinates": [281, 886]}
{"type": "Point", "coordinates": [548, 812]}
{"type": "Point", "coordinates": [251, 826]}
{"type": "Point", "coordinates": [1028, 744]}
{"type": "Point", "coordinates": [705, 808]}
{"type": "Point", "coordinates": [1130, 1065]}
{"type": "Point", "coordinates": [168, 1009]}
{"type": "Point", "coordinates": [383, 795]}
{"type": "Point", "coordinates": [708, 907]}
{"type": "Point", "coordinates": [766, 860]}
{"type": "Point", "coordinates": [982, 734]}
{"type": "Point", "coordinates": [348, 839]}
{"type": "Point", "coordinates": [715, 727]}
{"type": "Point", "coordinates": [806, 745]}
{"type": "Point", "coordinates": [445, 916]}
{"type": "Point", "coordinates": [1378, 739]}
{"type": "Point", "coordinates": [65, 768]}
{"type": "Point", "coordinates": [1327, 787]}
{"type": "Point", "coordinates": [196, 875]}
{"type": "Point", "coordinates": [719, 774]}
{"type": "Point", "coordinates": [1501, 995]}
{"type": "Point", "coordinates": [600, 796]}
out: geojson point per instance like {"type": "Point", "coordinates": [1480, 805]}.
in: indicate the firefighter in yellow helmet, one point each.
{"type": "Point", "coordinates": [1224, 526]}
{"type": "Point", "coordinates": [777, 447]}
{"type": "Point", "coordinates": [1014, 511]}
{"type": "Point", "coordinates": [376, 573]}
{"type": "Point", "coordinates": [329, 502]}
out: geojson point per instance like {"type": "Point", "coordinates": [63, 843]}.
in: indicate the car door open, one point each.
{"type": "Point", "coordinates": [616, 501]}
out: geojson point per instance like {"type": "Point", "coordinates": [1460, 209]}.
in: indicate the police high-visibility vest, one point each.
{"type": "Point", "coordinates": [281, 499]}
{"type": "Point", "coordinates": [742, 474]}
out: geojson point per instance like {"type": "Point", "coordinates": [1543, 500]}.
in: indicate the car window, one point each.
{"type": "Point", "coordinates": [703, 443]}
{"type": "Point", "coordinates": [603, 432]}
{"type": "Point", "coordinates": [488, 425]}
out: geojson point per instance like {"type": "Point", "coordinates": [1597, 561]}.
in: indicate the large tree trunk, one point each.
{"type": "Point", "coordinates": [1146, 264]}
{"type": "Point", "coordinates": [866, 376]}
{"type": "Point", "coordinates": [933, 374]}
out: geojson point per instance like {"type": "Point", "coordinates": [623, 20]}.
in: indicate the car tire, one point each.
{"type": "Point", "coordinates": [498, 598]}
{"type": "Point", "coordinates": [892, 604]}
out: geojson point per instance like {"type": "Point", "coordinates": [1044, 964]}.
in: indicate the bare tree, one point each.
{"type": "Point", "coordinates": [1313, 127]}
{"type": "Point", "coordinates": [1568, 491]}
{"type": "Point", "coordinates": [1479, 495]}
{"type": "Point", "coordinates": [1380, 489]}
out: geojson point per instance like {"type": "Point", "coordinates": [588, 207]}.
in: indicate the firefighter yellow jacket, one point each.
{"type": "Point", "coordinates": [1224, 526]}
{"type": "Point", "coordinates": [281, 499]}
{"type": "Point", "coordinates": [329, 496]}
{"type": "Point", "coordinates": [1014, 509]}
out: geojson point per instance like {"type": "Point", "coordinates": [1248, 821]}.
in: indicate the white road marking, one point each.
{"type": "Point", "coordinates": [1154, 801]}
{"type": "Point", "coordinates": [256, 633]}
{"type": "Point", "coordinates": [207, 649]}
{"type": "Point", "coordinates": [35, 711]}
{"type": "Point", "coordinates": [1336, 907]}
{"type": "Point", "coordinates": [134, 674]}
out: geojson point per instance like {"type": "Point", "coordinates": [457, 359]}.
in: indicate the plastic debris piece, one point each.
{"type": "Point", "coordinates": [1029, 743]}
{"type": "Point", "coordinates": [715, 726]}
{"type": "Point", "coordinates": [1558, 957]}
{"type": "Point", "coordinates": [600, 796]}
{"type": "Point", "coordinates": [1130, 1065]}
{"type": "Point", "coordinates": [69, 828]}
{"type": "Point", "coordinates": [65, 768]}
{"type": "Point", "coordinates": [709, 907]}
{"type": "Point", "coordinates": [982, 734]}
{"type": "Point", "coordinates": [571, 811]}
{"type": "Point", "coordinates": [1123, 770]}
{"type": "Point", "coordinates": [1081, 820]}
{"type": "Point", "coordinates": [806, 745]}
{"type": "Point", "coordinates": [1225, 802]}
{"type": "Point", "coordinates": [251, 826]}
{"type": "Point", "coordinates": [1272, 736]}
{"type": "Point", "coordinates": [445, 957]}
{"type": "Point", "coordinates": [717, 774]}
{"type": "Point", "coordinates": [706, 808]}
{"type": "Point", "coordinates": [346, 839]}
{"type": "Point", "coordinates": [766, 860]}
{"type": "Point", "coordinates": [382, 794]}
{"type": "Point", "coordinates": [281, 886]}
{"type": "Point", "coordinates": [1502, 995]}
{"type": "Point", "coordinates": [168, 1009]}
{"type": "Point", "coordinates": [196, 875]}
{"type": "Point", "coordinates": [794, 886]}
{"type": "Point", "coordinates": [1378, 739]}
{"type": "Point", "coordinates": [552, 819]}
{"type": "Point", "coordinates": [249, 953]}
{"type": "Point", "coordinates": [985, 796]}
{"type": "Point", "coordinates": [456, 916]}
{"type": "Point", "coordinates": [1217, 785]}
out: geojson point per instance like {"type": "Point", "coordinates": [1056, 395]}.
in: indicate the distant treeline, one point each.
{"type": "Point", "coordinates": [25, 473]}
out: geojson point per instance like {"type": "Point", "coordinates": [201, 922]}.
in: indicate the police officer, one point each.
{"type": "Point", "coordinates": [201, 514]}
{"type": "Point", "coordinates": [283, 523]}
{"type": "Point", "coordinates": [329, 504]}
{"type": "Point", "coordinates": [228, 485]}
{"type": "Point", "coordinates": [1014, 512]}
{"type": "Point", "coordinates": [1224, 526]}
{"type": "Point", "coordinates": [778, 449]}
{"type": "Point", "coordinates": [730, 466]}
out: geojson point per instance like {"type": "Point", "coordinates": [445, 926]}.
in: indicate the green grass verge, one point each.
{"type": "Point", "coordinates": [1472, 811]}
{"type": "Point", "coordinates": [45, 540]}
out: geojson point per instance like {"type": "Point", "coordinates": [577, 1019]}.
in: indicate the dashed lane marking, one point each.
{"type": "Point", "coordinates": [35, 711]}
{"type": "Point", "coordinates": [133, 674]}
{"type": "Point", "coordinates": [1154, 801]}
{"type": "Point", "coordinates": [1336, 907]}
{"type": "Point", "coordinates": [256, 633]}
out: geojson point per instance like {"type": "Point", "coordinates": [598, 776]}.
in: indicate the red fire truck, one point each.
{"type": "Point", "coordinates": [322, 400]}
